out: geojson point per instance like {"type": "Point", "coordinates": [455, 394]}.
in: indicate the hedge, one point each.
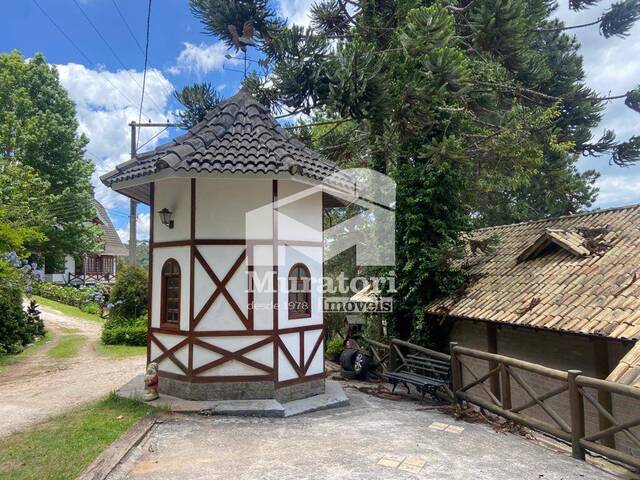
{"type": "Point", "coordinates": [125, 331]}
{"type": "Point", "coordinates": [76, 297]}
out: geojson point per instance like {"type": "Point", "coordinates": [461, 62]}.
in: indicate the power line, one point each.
{"type": "Point", "coordinates": [144, 74]}
{"type": "Point", "coordinates": [113, 52]}
{"type": "Point", "coordinates": [84, 55]}
{"type": "Point", "coordinates": [133, 36]}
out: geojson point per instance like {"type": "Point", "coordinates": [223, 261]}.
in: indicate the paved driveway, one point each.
{"type": "Point", "coordinates": [373, 439]}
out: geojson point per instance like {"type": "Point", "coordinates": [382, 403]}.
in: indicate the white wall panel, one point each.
{"type": "Point", "coordinates": [174, 194]}
{"type": "Point", "coordinates": [310, 339]}
{"type": "Point", "coordinates": [222, 204]}
{"type": "Point", "coordinates": [300, 209]}
{"type": "Point", "coordinates": [285, 370]}
{"type": "Point", "coordinates": [202, 356]}
{"type": "Point", "coordinates": [232, 368]}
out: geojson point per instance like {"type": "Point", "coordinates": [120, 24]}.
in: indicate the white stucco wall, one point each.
{"type": "Point", "coordinates": [222, 206]}
{"type": "Point", "coordinates": [300, 213]}
{"type": "Point", "coordinates": [174, 194]}
{"type": "Point", "coordinates": [222, 209]}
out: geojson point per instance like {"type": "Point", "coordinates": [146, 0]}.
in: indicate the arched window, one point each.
{"type": "Point", "coordinates": [170, 289]}
{"type": "Point", "coordinates": [299, 291]}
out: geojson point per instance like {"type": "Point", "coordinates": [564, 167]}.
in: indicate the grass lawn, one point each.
{"type": "Point", "coordinates": [68, 346]}
{"type": "Point", "coordinates": [120, 351]}
{"type": "Point", "coordinates": [6, 360]}
{"type": "Point", "coordinates": [64, 446]}
{"type": "Point", "coordinates": [67, 309]}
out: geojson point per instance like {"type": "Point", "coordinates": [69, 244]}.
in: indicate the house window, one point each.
{"type": "Point", "coordinates": [299, 292]}
{"type": "Point", "coordinates": [170, 294]}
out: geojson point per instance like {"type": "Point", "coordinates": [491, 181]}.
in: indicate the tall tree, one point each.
{"type": "Point", "coordinates": [478, 109]}
{"type": "Point", "coordinates": [197, 100]}
{"type": "Point", "coordinates": [39, 137]}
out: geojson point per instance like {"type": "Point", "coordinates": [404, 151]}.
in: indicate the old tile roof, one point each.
{"type": "Point", "coordinates": [562, 287]}
{"type": "Point", "coordinates": [627, 371]}
{"type": "Point", "coordinates": [239, 135]}
{"type": "Point", "coordinates": [112, 243]}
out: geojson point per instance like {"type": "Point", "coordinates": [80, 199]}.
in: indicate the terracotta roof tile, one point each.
{"type": "Point", "coordinates": [578, 289]}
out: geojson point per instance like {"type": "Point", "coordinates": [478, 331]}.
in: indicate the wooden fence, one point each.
{"type": "Point", "coordinates": [509, 372]}
{"type": "Point", "coordinates": [571, 389]}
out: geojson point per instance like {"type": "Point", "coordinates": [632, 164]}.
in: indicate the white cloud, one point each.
{"type": "Point", "coordinates": [142, 230]}
{"type": "Point", "coordinates": [296, 11]}
{"type": "Point", "coordinates": [612, 67]}
{"type": "Point", "coordinates": [106, 102]}
{"type": "Point", "coordinates": [200, 59]}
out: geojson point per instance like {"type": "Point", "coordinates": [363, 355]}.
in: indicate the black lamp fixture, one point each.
{"type": "Point", "coordinates": [166, 217]}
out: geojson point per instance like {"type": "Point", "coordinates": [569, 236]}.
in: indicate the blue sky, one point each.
{"type": "Point", "coordinates": [107, 89]}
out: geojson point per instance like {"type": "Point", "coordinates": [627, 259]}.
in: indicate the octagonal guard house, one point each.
{"type": "Point", "coordinates": [236, 204]}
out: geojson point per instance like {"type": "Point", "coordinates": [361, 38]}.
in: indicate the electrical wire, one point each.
{"type": "Point", "coordinates": [144, 74]}
{"type": "Point", "coordinates": [84, 55]}
{"type": "Point", "coordinates": [113, 52]}
{"type": "Point", "coordinates": [135, 39]}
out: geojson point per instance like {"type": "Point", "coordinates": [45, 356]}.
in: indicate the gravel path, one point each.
{"type": "Point", "coordinates": [41, 387]}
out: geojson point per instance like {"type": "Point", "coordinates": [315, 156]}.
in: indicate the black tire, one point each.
{"type": "Point", "coordinates": [346, 358]}
{"type": "Point", "coordinates": [347, 374]}
{"type": "Point", "coordinates": [361, 365]}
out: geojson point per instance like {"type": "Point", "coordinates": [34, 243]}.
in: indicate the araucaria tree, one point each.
{"type": "Point", "coordinates": [45, 181]}
{"type": "Point", "coordinates": [477, 108]}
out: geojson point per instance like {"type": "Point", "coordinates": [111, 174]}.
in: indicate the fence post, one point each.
{"type": "Point", "coordinates": [392, 356]}
{"type": "Point", "coordinates": [576, 405]}
{"type": "Point", "coordinates": [505, 387]}
{"type": "Point", "coordinates": [456, 372]}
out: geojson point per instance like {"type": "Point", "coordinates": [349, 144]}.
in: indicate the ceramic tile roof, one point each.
{"type": "Point", "coordinates": [239, 135]}
{"type": "Point", "coordinates": [562, 287]}
{"type": "Point", "coordinates": [627, 371]}
{"type": "Point", "coordinates": [112, 243]}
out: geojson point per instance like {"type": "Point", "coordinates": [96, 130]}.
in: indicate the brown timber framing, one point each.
{"type": "Point", "coordinates": [150, 273]}
{"type": "Point", "coordinates": [193, 337]}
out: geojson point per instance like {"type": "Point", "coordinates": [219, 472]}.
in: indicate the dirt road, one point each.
{"type": "Point", "coordinates": [41, 387]}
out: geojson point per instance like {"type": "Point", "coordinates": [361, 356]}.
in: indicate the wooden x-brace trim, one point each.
{"type": "Point", "coordinates": [237, 355]}
{"type": "Point", "coordinates": [221, 289]}
{"type": "Point", "coordinates": [313, 352]}
{"type": "Point", "coordinates": [168, 352]}
{"type": "Point", "coordinates": [298, 368]}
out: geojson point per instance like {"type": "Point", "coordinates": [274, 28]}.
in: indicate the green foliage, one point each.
{"type": "Point", "coordinates": [197, 99]}
{"type": "Point", "coordinates": [64, 446]}
{"type": "Point", "coordinates": [478, 110]}
{"type": "Point", "coordinates": [129, 292]}
{"type": "Point", "coordinates": [334, 348]}
{"type": "Point", "coordinates": [125, 331]}
{"type": "Point", "coordinates": [68, 346]}
{"type": "Point", "coordinates": [619, 19]}
{"type": "Point", "coordinates": [17, 328]}
{"type": "Point", "coordinates": [44, 179]}
{"type": "Point", "coordinates": [77, 297]}
{"type": "Point", "coordinates": [218, 15]}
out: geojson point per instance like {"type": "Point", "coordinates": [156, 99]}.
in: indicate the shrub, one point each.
{"type": "Point", "coordinates": [125, 331]}
{"type": "Point", "coordinates": [17, 328]}
{"type": "Point", "coordinates": [129, 293]}
{"type": "Point", "coordinates": [76, 297]}
{"type": "Point", "coordinates": [334, 348]}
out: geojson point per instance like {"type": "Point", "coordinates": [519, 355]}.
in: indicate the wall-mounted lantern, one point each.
{"type": "Point", "coordinates": [166, 217]}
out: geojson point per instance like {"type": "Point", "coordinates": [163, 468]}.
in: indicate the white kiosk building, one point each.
{"type": "Point", "coordinates": [236, 203]}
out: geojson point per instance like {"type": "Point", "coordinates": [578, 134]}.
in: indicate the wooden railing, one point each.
{"type": "Point", "coordinates": [508, 370]}
{"type": "Point", "coordinates": [379, 352]}
{"type": "Point", "coordinates": [90, 278]}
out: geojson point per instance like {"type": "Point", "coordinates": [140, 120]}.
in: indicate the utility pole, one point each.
{"type": "Point", "coordinates": [133, 205]}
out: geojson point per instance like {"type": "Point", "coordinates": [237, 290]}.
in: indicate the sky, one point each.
{"type": "Point", "coordinates": [100, 58]}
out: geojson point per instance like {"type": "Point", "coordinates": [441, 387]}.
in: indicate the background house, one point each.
{"type": "Point", "coordinates": [98, 267]}
{"type": "Point", "coordinates": [562, 292]}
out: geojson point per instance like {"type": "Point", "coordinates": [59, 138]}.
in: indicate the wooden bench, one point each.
{"type": "Point", "coordinates": [427, 374]}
